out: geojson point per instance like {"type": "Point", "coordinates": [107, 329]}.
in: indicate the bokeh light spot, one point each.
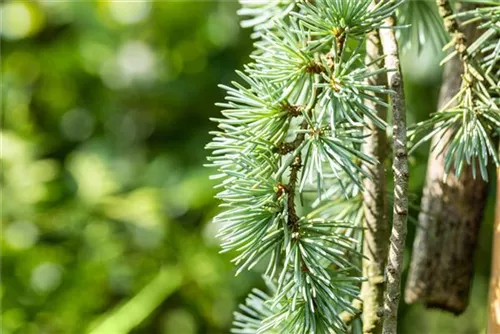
{"type": "Point", "coordinates": [46, 277]}
{"type": "Point", "coordinates": [136, 59]}
{"type": "Point", "coordinates": [135, 62]}
{"type": "Point", "coordinates": [179, 321]}
{"type": "Point", "coordinates": [222, 29]}
{"type": "Point", "coordinates": [112, 76]}
{"type": "Point", "coordinates": [14, 148]}
{"type": "Point", "coordinates": [18, 20]}
{"type": "Point", "coordinates": [21, 234]}
{"type": "Point", "coordinates": [77, 124]}
{"type": "Point", "coordinates": [92, 175]}
{"type": "Point", "coordinates": [127, 12]}
{"type": "Point", "coordinates": [93, 52]}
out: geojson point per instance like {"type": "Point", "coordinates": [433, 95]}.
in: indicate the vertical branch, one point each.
{"type": "Point", "coordinates": [494, 299]}
{"type": "Point", "coordinates": [448, 224]}
{"type": "Point", "coordinates": [400, 170]}
{"type": "Point", "coordinates": [442, 262]}
{"type": "Point", "coordinates": [375, 237]}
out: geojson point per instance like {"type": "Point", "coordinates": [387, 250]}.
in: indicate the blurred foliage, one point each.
{"type": "Point", "coordinates": [106, 207]}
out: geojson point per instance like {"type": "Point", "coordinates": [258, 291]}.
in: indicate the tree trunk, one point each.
{"type": "Point", "coordinates": [376, 233]}
{"type": "Point", "coordinates": [494, 304]}
{"type": "Point", "coordinates": [442, 265]}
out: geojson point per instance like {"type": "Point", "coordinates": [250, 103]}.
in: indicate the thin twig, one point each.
{"type": "Point", "coordinates": [287, 147]}
{"type": "Point", "coordinates": [400, 170]}
{"type": "Point", "coordinates": [293, 218]}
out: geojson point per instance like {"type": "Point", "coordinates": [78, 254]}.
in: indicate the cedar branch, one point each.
{"type": "Point", "coordinates": [376, 229]}
{"type": "Point", "coordinates": [400, 170]}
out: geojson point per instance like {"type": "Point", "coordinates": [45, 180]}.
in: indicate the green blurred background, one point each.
{"type": "Point", "coordinates": [106, 205]}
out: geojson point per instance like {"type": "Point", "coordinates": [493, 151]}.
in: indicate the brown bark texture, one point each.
{"type": "Point", "coordinates": [442, 265]}
{"type": "Point", "coordinates": [494, 299]}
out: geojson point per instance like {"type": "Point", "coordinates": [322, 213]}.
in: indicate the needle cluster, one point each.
{"type": "Point", "coordinates": [288, 156]}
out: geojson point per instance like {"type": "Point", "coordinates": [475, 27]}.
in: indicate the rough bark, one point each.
{"type": "Point", "coordinates": [494, 299]}
{"type": "Point", "coordinates": [400, 170]}
{"type": "Point", "coordinates": [376, 229]}
{"type": "Point", "coordinates": [441, 269]}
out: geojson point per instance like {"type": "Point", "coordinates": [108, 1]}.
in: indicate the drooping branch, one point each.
{"type": "Point", "coordinates": [400, 170]}
{"type": "Point", "coordinates": [472, 113]}
{"type": "Point", "coordinates": [376, 228]}
{"type": "Point", "coordinates": [448, 224]}
{"type": "Point", "coordinates": [442, 264]}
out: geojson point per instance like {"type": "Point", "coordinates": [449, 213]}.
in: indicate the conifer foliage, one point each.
{"type": "Point", "coordinates": [288, 156]}
{"type": "Point", "coordinates": [473, 114]}
{"type": "Point", "coordinates": [290, 150]}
